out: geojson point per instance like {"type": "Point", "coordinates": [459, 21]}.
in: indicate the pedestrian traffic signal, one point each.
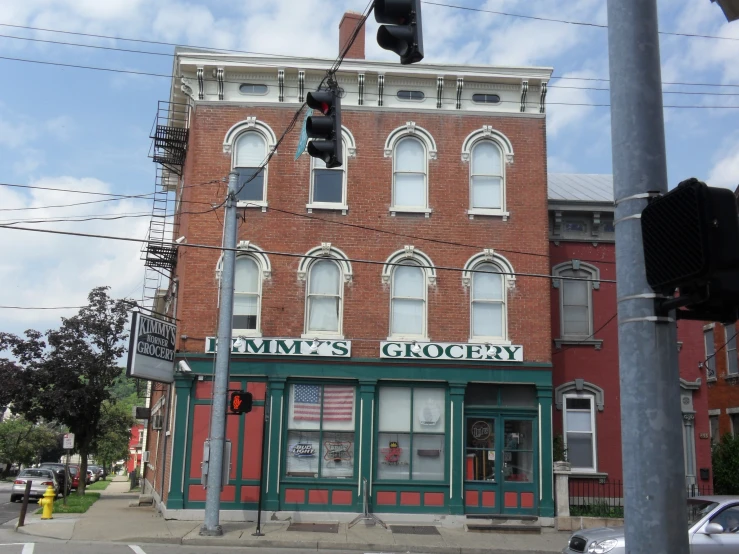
{"type": "Point", "coordinates": [240, 402]}
{"type": "Point", "coordinates": [691, 243]}
{"type": "Point", "coordinates": [325, 130]}
{"type": "Point", "coordinates": [402, 34]}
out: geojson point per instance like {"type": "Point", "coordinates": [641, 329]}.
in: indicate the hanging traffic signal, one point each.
{"type": "Point", "coordinates": [240, 402]}
{"type": "Point", "coordinates": [691, 243]}
{"type": "Point", "coordinates": [325, 130]}
{"type": "Point", "coordinates": [402, 34]}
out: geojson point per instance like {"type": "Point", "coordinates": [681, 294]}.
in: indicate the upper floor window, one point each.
{"type": "Point", "coordinates": [253, 88]}
{"type": "Point", "coordinates": [324, 298]}
{"type": "Point", "coordinates": [328, 185]}
{"type": "Point", "coordinates": [710, 353]}
{"type": "Point", "coordinates": [576, 298]}
{"type": "Point", "coordinates": [410, 180]}
{"type": "Point", "coordinates": [249, 155]}
{"type": "Point", "coordinates": [488, 304]}
{"type": "Point", "coordinates": [411, 95]}
{"type": "Point", "coordinates": [732, 367]}
{"type": "Point", "coordinates": [408, 311]}
{"type": "Point", "coordinates": [247, 289]}
{"type": "Point", "coordinates": [486, 176]}
{"type": "Point", "coordinates": [486, 99]}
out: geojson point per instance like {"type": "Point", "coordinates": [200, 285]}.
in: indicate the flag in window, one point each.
{"type": "Point", "coordinates": [338, 403]}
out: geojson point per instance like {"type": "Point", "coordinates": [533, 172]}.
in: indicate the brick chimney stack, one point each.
{"type": "Point", "coordinates": [346, 28]}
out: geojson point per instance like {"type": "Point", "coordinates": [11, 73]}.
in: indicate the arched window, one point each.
{"type": "Point", "coordinates": [324, 298]}
{"type": "Point", "coordinates": [409, 174]}
{"type": "Point", "coordinates": [408, 301]}
{"type": "Point", "coordinates": [250, 153]}
{"type": "Point", "coordinates": [247, 296]}
{"type": "Point", "coordinates": [576, 299]}
{"type": "Point", "coordinates": [486, 176]}
{"type": "Point", "coordinates": [488, 305]}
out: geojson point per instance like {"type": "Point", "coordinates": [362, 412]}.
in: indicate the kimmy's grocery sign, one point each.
{"type": "Point", "coordinates": [451, 351]}
{"type": "Point", "coordinates": [325, 348]}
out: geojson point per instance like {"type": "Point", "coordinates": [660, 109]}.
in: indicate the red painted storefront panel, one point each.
{"type": "Point", "coordinates": [471, 498]}
{"type": "Point", "coordinates": [318, 496]}
{"type": "Point", "coordinates": [341, 498]}
{"type": "Point", "coordinates": [295, 496]}
{"type": "Point", "coordinates": [252, 457]}
{"type": "Point", "coordinates": [433, 499]}
{"type": "Point", "coordinates": [387, 498]}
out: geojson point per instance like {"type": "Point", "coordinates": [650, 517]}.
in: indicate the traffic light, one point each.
{"type": "Point", "coordinates": [691, 243]}
{"type": "Point", "coordinates": [402, 34]}
{"type": "Point", "coordinates": [325, 129]}
{"type": "Point", "coordinates": [240, 402]}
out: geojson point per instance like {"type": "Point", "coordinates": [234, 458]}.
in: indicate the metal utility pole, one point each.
{"type": "Point", "coordinates": [651, 429]}
{"type": "Point", "coordinates": [211, 526]}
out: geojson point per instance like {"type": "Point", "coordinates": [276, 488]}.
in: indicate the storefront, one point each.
{"type": "Point", "coordinates": [433, 436]}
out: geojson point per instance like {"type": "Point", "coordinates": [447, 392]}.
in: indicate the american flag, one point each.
{"type": "Point", "coordinates": [338, 403]}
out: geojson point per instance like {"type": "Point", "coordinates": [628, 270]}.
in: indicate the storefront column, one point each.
{"type": "Point", "coordinates": [456, 447]}
{"type": "Point", "coordinates": [546, 476]}
{"type": "Point", "coordinates": [183, 387]}
{"type": "Point", "coordinates": [363, 447]}
{"type": "Point", "coordinates": [273, 444]}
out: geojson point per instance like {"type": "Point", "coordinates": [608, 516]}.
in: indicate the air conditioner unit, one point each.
{"type": "Point", "coordinates": [156, 421]}
{"type": "Point", "coordinates": [145, 456]}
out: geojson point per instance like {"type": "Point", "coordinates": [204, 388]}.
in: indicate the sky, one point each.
{"type": "Point", "coordinates": [81, 129]}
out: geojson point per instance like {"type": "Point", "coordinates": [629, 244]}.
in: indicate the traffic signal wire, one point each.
{"type": "Point", "coordinates": [589, 337]}
{"type": "Point", "coordinates": [309, 256]}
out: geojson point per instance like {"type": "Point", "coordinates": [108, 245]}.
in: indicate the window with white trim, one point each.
{"type": "Point", "coordinates": [732, 367]}
{"type": "Point", "coordinates": [579, 431]}
{"type": "Point", "coordinates": [576, 298]}
{"type": "Point", "coordinates": [410, 183]}
{"type": "Point", "coordinates": [710, 353]}
{"type": "Point", "coordinates": [328, 185]}
{"type": "Point", "coordinates": [713, 429]}
{"type": "Point", "coordinates": [250, 152]}
{"type": "Point", "coordinates": [324, 298]}
{"type": "Point", "coordinates": [488, 303]}
{"type": "Point", "coordinates": [408, 302]}
{"type": "Point", "coordinates": [486, 176]}
{"type": "Point", "coordinates": [247, 296]}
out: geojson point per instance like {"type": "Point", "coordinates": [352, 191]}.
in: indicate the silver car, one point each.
{"type": "Point", "coordinates": [40, 480]}
{"type": "Point", "coordinates": [713, 528]}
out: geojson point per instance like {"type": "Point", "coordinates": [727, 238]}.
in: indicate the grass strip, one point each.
{"type": "Point", "coordinates": [99, 485]}
{"type": "Point", "coordinates": [75, 504]}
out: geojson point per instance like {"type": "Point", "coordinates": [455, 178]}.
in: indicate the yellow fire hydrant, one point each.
{"type": "Point", "coordinates": [47, 503]}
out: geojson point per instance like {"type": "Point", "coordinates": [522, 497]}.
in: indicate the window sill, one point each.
{"type": "Point", "coordinates": [597, 343]}
{"type": "Point", "coordinates": [490, 341]}
{"type": "Point", "coordinates": [319, 336]}
{"type": "Point", "coordinates": [407, 338]}
{"type": "Point", "coordinates": [494, 212]}
{"type": "Point", "coordinates": [253, 204]}
{"type": "Point", "coordinates": [580, 474]}
{"type": "Point", "coordinates": [731, 377]}
{"type": "Point", "coordinates": [409, 210]}
{"type": "Point", "coordinates": [327, 206]}
{"type": "Point", "coordinates": [246, 333]}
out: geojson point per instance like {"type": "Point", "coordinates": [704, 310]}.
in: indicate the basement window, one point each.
{"type": "Point", "coordinates": [486, 99]}
{"type": "Point", "coordinates": [253, 88]}
{"type": "Point", "coordinates": [411, 95]}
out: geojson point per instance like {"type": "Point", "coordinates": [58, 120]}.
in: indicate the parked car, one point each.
{"type": "Point", "coordinates": [713, 527]}
{"type": "Point", "coordinates": [95, 472]}
{"type": "Point", "coordinates": [40, 479]}
{"type": "Point", "coordinates": [74, 471]}
{"type": "Point", "coordinates": [64, 479]}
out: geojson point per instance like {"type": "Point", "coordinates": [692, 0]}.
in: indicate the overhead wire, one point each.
{"type": "Point", "coordinates": [572, 344]}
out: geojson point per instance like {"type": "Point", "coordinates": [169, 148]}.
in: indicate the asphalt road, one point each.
{"type": "Point", "coordinates": [8, 511]}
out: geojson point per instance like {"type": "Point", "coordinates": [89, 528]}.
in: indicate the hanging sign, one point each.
{"type": "Point", "coordinates": [451, 351]}
{"type": "Point", "coordinates": [151, 349]}
{"type": "Point", "coordinates": [285, 347]}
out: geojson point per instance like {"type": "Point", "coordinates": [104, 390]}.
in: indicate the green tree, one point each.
{"type": "Point", "coordinates": [21, 442]}
{"type": "Point", "coordinates": [67, 378]}
{"type": "Point", "coordinates": [111, 442]}
{"type": "Point", "coordinates": [725, 461]}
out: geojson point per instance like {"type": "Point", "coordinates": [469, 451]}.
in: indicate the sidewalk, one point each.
{"type": "Point", "coordinates": [111, 519]}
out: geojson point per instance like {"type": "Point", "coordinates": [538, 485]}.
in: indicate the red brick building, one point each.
{"type": "Point", "coordinates": [587, 413]}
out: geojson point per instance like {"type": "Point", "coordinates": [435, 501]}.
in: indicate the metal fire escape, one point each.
{"type": "Point", "coordinates": [169, 136]}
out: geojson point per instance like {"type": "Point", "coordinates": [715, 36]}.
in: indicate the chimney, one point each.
{"type": "Point", "coordinates": [346, 29]}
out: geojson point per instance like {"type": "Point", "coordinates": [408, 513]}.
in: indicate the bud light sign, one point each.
{"type": "Point", "coordinates": [151, 349]}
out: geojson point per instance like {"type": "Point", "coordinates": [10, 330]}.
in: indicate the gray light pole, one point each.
{"type": "Point", "coordinates": [211, 526]}
{"type": "Point", "coordinates": [654, 479]}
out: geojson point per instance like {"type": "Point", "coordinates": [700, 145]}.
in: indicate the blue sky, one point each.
{"type": "Point", "coordinates": [88, 130]}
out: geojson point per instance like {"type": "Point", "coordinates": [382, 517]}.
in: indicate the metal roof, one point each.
{"type": "Point", "coordinates": [579, 187]}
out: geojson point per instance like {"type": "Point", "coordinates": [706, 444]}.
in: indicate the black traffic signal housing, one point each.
{"type": "Point", "coordinates": [691, 243]}
{"type": "Point", "coordinates": [240, 403]}
{"type": "Point", "coordinates": [325, 130]}
{"type": "Point", "coordinates": [403, 33]}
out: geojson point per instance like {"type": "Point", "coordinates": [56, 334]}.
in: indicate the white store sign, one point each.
{"type": "Point", "coordinates": [285, 347]}
{"type": "Point", "coordinates": [451, 351]}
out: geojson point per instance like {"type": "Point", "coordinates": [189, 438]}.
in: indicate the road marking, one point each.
{"type": "Point", "coordinates": [136, 549]}
{"type": "Point", "coordinates": [27, 548]}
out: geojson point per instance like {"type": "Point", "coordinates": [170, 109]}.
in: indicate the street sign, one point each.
{"type": "Point", "coordinates": [151, 349]}
{"type": "Point", "coordinates": [68, 443]}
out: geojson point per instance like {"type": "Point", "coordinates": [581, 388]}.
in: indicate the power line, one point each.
{"type": "Point", "coordinates": [570, 22]}
{"type": "Point", "coordinates": [586, 339]}
{"type": "Point", "coordinates": [130, 303]}
{"type": "Point", "coordinates": [315, 257]}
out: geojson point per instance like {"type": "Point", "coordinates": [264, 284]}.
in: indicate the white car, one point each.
{"type": "Point", "coordinates": [713, 528]}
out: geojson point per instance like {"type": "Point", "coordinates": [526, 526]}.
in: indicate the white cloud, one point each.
{"type": "Point", "coordinates": [39, 269]}
{"type": "Point", "coordinates": [725, 171]}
